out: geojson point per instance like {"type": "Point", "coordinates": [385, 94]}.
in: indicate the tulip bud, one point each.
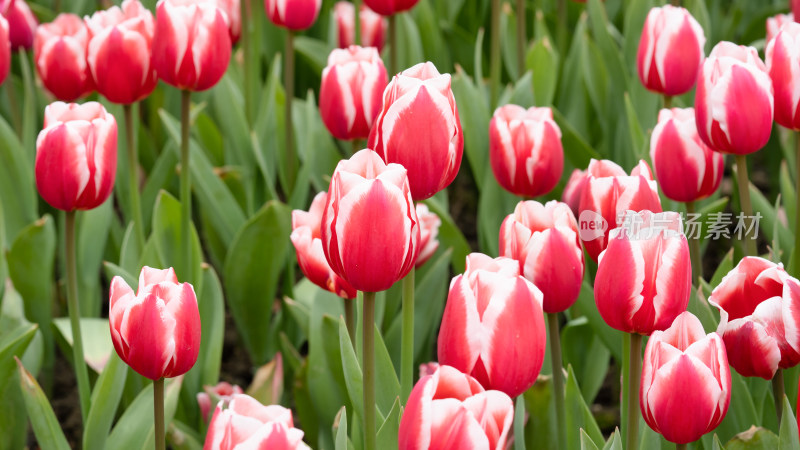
{"type": "Point", "coordinates": [670, 50]}
{"type": "Point", "coordinates": [429, 224]}
{"type": "Point", "coordinates": [293, 14]}
{"type": "Point", "coordinates": [306, 239]}
{"type": "Point", "coordinates": [370, 233]}
{"type": "Point", "coordinates": [644, 277]}
{"type": "Point", "coordinates": [372, 26]}
{"type": "Point", "coordinates": [734, 100]}
{"type": "Point", "coordinates": [687, 169]}
{"type": "Point", "coordinates": [119, 55]}
{"type": "Point", "coordinates": [246, 423]}
{"type": "Point", "coordinates": [202, 64]}
{"type": "Point", "coordinates": [60, 55]}
{"type": "Point", "coordinates": [607, 194]}
{"type": "Point", "coordinates": [782, 63]}
{"type": "Point", "coordinates": [451, 410]}
{"type": "Point", "coordinates": [76, 156]}
{"type": "Point", "coordinates": [757, 301]}
{"type": "Point", "coordinates": [775, 23]}
{"type": "Point", "coordinates": [390, 7]}
{"type": "Point", "coordinates": [493, 325]}
{"type": "Point", "coordinates": [544, 240]}
{"type": "Point", "coordinates": [420, 129]}
{"type": "Point", "coordinates": [350, 95]}
{"type": "Point", "coordinates": [222, 393]}
{"type": "Point", "coordinates": [525, 150]}
{"type": "Point", "coordinates": [5, 50]}
{"type": "Point", "coordinates": [21, 23]}
{"type": "Point", "coordinates": [157, 330]}
{"type": "Point", "coordinates": [686, 382]}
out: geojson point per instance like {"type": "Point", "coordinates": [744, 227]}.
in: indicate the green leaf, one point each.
{"type": "Point", "coordinates": [543, 60]}
{"type": "Point", "coordinates": [97, 346]}
{"type": "Point", "coordinates": [13, 344]}
{"type": "Point", "coordinates": [352, 370]}
{"type": "Point", "coordinates": [788, 436]}
{"type": "Point", "coordinates": [577, 151]}
{"type": "Point", "coordinates": [578, 414]}
{"type": "Point", "coordinates": [614, 441]}
{"type": "Point", "coordinates": [340, 429]}
{"type": "Point", "coordinates": [638, 139]}
{"type": "Point", "coordinates": [388, 432]}
{"type": "Point", "coordinates": [45, 424]}
{"type": "Point", "coordinates": [586, 441]}
{"type": "Point", "coordinates": [135, 429]}
{"type": "Point", "coordinates": [741, 414]}
{"type": "Point", "coordinates": [475, 115]}
{"type": "Point", "coordinates": [586, 306]}
{"type": "Point", "coordinates": [106, 395]}
{"type": "Point", "coordinates": [717, 445]}
{"type": "Point", "coordinates": [587, 354]}
{"type": "Point", "coordinates": [16, 183]}
{"type": "Point", "coordinates": [92, 234]}
{"type": "Point", "coordinates": [756, 438]}
{"type": "Point", "coordinates": [769, 219]}
{"type": "Point", "coordinates": [112, 270]}
{"type": "Point", "coordinates": [211, 304]}
{"type": "Point", "coordinates": [167, 239]}
{"type": "Point", "coordinates": [450, 236]}
{"type": "Point", "coordinates": [385, 377]}
{"type": "Point", "coordinates": [519, 424]}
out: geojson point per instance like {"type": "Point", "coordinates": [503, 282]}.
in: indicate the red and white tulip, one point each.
{"type": "Point", "coordinates": [21, 23]}
{"type": "Point", "coordinates": [429, 224]}
{"type": "Point", "coordinates": [247, 424]}
{"type": "Point", "coordinates": [783, 65]}
{"type": "Point", "coordinates": [390, 7]}
{"type": "Point", "coordinates": [293, 14]}
{"type": "Point", "coordinates": [372, 25]}
{"type": "Point", "coordinates": [775, 23]}
{"type": "Point", "coordinates": [59, 52]}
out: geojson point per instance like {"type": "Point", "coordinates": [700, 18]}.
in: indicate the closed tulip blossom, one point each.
{"type": "Point", "coordinates": [525, 150]}
{"type": "Point", "coordinates": [5, 50]}
{"type": "Point", "coordinates": [60, 55]}
{"type": "Point", "coordinates": [450, 410]}
{"type": "Point", "coordinates": [370, 233]}
{"type": "Point", "coordinates": [544, 240]}
{"type": "Point", "coordinates": [21, 23]}
{"type": "Point", "coordinates": [775, 23]}
{"type": "Point", "coordinates": [120, 52]}
{"type": "Point", "coordinates": [244, 423]}
{"type": "Point", "coordinates": [493, 325]}
{"type": "Point", "coordinates": [796, 9]}
{"type": "Point", "coordinates": [686, 168]}
{"type": "Point", "coordinates": [420, 129]}
{"type": "Point", "coordinates": [429, 224]}
{"type": "Point", "coordinates": [686, 382]}
{"type": "Point", "coordinates": [306, 234]}
{"type": "Point", "coordinates": [191, 45]}
{"type": "Point", "coordinates": [573, 190]}
{"type": "Point", "coordinates": [644, 277]}
{"type": "Point", "coordinates": [734, 100]}
{"type": "Point", "coordinates": [670, 50]}
{"type": "Point", "coordinates": [372, 26]}
{"type": "Point", "coordinates": [757, 301]}
{"type": "Point", "coordinates": [390, 7]}
{"type": "Point", "coordinates": [783, 64]}
{"type": "Point", "coordinates": [156, 330]}
{"type": "Point", "coordinates": [350, 95]}
{"type": "Point", "coordinates": [293, 14]}
{"type": "Point", "coordinates": [76, 156]}
{"type": "Point", "coordinates": [233, 12]}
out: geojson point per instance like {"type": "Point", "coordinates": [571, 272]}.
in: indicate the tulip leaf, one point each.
{"type": "Point", "coordinates": [385, 376]}
{"type": "Point", "coordinates": [741, 412]}
{"type": "Point", "coordinates": [494, 204]}
{"type": "Point", "coordinates": [474, 114]}
{"type": "Point", "coordinates": [788, 193]}
{"type": "Point", "coordinates": [340, 429]}
{"type": "Point", "coordinates": [633, 23]}
{"type": "Point", "coordinates": [543, 60]}
{"type": "Point", "coordinates": [638, 139]}
{"type": "Point", "coordinates": [13, 344]}
{"type": "Point", "coordinates": [577, 151]}
{"type": "Point", "coordinates": [788, 436]}
{"type": "Point", "coordinates": [352, 370]}
{"type": "Point", "coordinates": [450, 236]}
{"type": "Point", "coordinates": [183, 437]}
{"type": "Point", "coordinates": [586, 441]}
{"type": "Point", "coordinates": [389, 431]}
{"type": "Point", "coordinates": [45, 424]}
{"type": "Point", "coordinates": [301, 314]}
{"type": "Point", "coordinates": [252, 267]}
{"type": "Point", "coordinates": [587, 354]}
{"type": "Point", "coordinates": [112, 270]}
{"type": "Point", "coordinates": [614, 442]}
{"type": "Point", "coordinates": [769, 220]}
{"type": "Point", "coordinates": [519, 424]}
{"type": "Point", "coordinates": [105, 400]}
{"type": "Point", "coordinates": [578, 414]}
{"type": "Point", "coordinates": [755, 438]}
{"type": "Point", "coordinates": [699, 306]}
{"type": "Point", "coordinates": [717, 445]}
{"type": "Point", "coordinates": [92, 233]}
{"type": "Point", "coordinates": [135, 429]}
{"type": "Point", "coordinates": [97, 346]}
{"type": "Point", "coordinates": [211, 304]}
{"type": "Point", "coordinates": [540, 406]}
{"type": "Point", "coordinates": [158, 179]}
{"type": "Point", "coordinates": [167, 239]}
{"type": "Point", "coordinates": [16, 183]}
{"type": "Point", "coordinates": [585, 305]}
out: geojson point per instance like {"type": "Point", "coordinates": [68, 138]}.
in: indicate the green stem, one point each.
{"type": "Point", "coordinates": [744, 200]}
{"type": "Point", "coordinates": [370, 437]}
{"type": "Point", "coordinates": [248, 61]}
{"type": "Point", "coordinates": [407, 347]}
{"type": "Point", "coordinates": [288, 81]}
{"type": "Point", "coordinates": [778, 392]}
{"type": "Point", "coordinates": [681, 446]}
{"type": "Point", "coordinates": [495, 54]}
{"type": "Point", "coordinates": [133, 174]}
{"type": "Point", "coordinates": [667, 101]}
{"type": "Point", "coordinates": [393, 46]}
{"type": "Point", "coordinates": [795, 263]}
{"type": "Point", "coordinates": [158, 413]}
{"type": "Point", "coordinates": [350, 317]}
{"type": "Point", "coordinates": [186, 187]}
{"type": "Point", "coordinates": [694, 248]}
{"type": "Point", "coordinates": [634, 379]}
{"type": "Point", "coordinates": [522, 37]}
{"type": "Point", "coordinates": [81, 373]}
{"type": "Point", "coordinates": [357, 22]}
{"type": "Point", "coordinates": [558, 377]}
{"type": "Point", "coordinates": [356, 143]}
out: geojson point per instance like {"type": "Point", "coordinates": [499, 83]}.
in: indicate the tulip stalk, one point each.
{"type": "Point", "coordinates": [407, 355]}
{"type": "Point", "coordinates": [288, 82]}
{"type": "Point", "coordinates": [350, 317]}
{"type": "Point", "coordinates": [158, 413]}
{"type": "Point", "coordinates": [186, 186]}
{"type": "Point", "coordinates": [133, 174]}
{"type": "Point", "coordinates": [81, 373]}
{"type": "Point", "coordinates": [495, 56]}
{"type": "Point", "coordinates": [744, 200]}
{"type": "Point", "coordinates": [694, 249]}
{"type": "Point", "coordinates": [522, 37]}
{"type": "Point", "coordinates": [357, 22]}
{"type": "Point", "coordinates": [634, 380]}
{"type": "Point", "coordinates": [795, 263]}
{"type": "Point", "coordinates": [370, 436]}
{"type": "Point", "coordinates": [667, 101]}
{"type": "Point", "coordinates": [778, 391]}
{"type": "Point", "coordinates": [558, 377]}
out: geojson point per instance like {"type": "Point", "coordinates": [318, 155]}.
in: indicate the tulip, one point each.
{"type": "Point", "coordinates": [686, 168]}
{"type": "Point", "coordinates": [222, 393]}
{"type": "Point", "coordinates": [372, 25]}
{"type": "Point", "coordinates": [5, 50]}
{"type": "Point", "coordinates": [350, 95]}
{"type": "Point", "coordinates": [573, 190]}
{"type": "Point", "coordinates": [686, 382]}
{"type": "Point", "coordinates": [493, 325]}
{"type": "Point", "coordinates": [607, 194]}
{"type": "Point", "coordinates": [370, 233]}
{"type": "Point", "coordinates": [390, 7]}
{"type": "Point", "coordinates": [305, 236]}
{"type": "Point", "coordinates": [670, 50]}
{"type": "Point", "coordinates": [525, 150]}
{"type": "Point", "coordinates": [76, 156]}
{"type": "Point", "coordinates": [734, 100]}
{"type": "Point", "coordinates": [757, 301]}
{"type": "Point", "coordinates": [233, 12]}
{"type": "Point", "coordinates": [119, 53]}
{"type": "Point", "coordinates": [21, 23]}
{"type": "Point", "coordinates": [775, 23]}
{"type": "Point", "coordinates": [782, 64]}
{"type": "Point", "coordinates": [419, 128]}
{"type": "Point", "coordinates": [60, 55]}
{"type": "Point", "coordinates": [429, 224]}
{"type": "Point", "coordinates": [247, 424]}
{"type": "Point", "coordinates": [796, 9]}
{"type": "Point", "coordinates": [202, 64]}
{"type": "Point", "coordinates": [644, 277]}
{"type": "Point", "coordinates": [544, 240]}
{"type": "Point", "coordinates": [295, 15]}
{"type": "Point", "coordinates": [450, 410]}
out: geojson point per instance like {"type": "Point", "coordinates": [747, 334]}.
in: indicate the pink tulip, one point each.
{"type": "Point", "coordinates": [247, 424]}
{"type": "Point", "coordinates": [156, 331]}
{"type": "Point", "coordinates": [758, 304]}
{"type": "Point", "coordinates": [525, 150]}
{"type": "Point", "coordinates": [5, 50]}
{"type": "Point", "coordinates": [420, 129]}
{"type": "Point", "coordinates": [784, 69]}
{"type": "Point", "coordinates": [350, 96]}
{"type": "Point", "coordinates": [192, 44]}
{"type": "Point", "coordinates": [372, 25]}
{"type": "Point", "coordinates": [644, 277]}
{"type": "Point", "coordinates": [775, 23]}
{"type": "Point", "coordinates": [429, 224]}
{"type": "Point", "coordinates": [573, 190]}
{"type": "Point", "coordinates": [76, 156]}
{"type": "Point", "coordinates": [544, 239]}
{"type": "Point", "coordinates": [686, 382]}
{"type": "Point", "coordinates": [305, 236]}
{"type": "Point", "coordinates": [686, 168]}
{"type": "Point", "coordinates": [21, 22]}
{"type": "Point", "coordinates": [223, 393]}
{"type": "Point", "coordinates": [370, 233]}
{"type": "Point", "coordinates": [293, 14]}
{"type": "Point", "coordinates": [390, 7]}
{"type": "Point", "coordinates": [233, 12]}
{"type": "Point", "coordinates": [450, 410]}
{"type": "Point", "coordinates": [734, 100]}
{"type": "Point", "coordinates": [60, 54]}
{"type": "Point", "coordinates": [493, 325]}
{"type": "Point", "coordinates": [670, 50]}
